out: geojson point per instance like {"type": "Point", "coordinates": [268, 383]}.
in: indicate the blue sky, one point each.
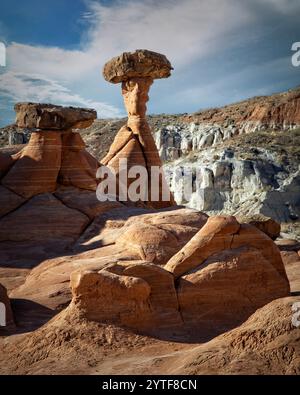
{"type": "Point", "coordinates": [222, 51]}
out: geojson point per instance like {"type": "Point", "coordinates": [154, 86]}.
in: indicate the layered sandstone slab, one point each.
{"type": "Point", "coordinates": [9, 201]}
{"type": "Point", "coordinates": [43, 217]}
{"type": "Point", "coordinates": [216, 235]}
{"type": "Point", "coordinates": [51, 117]}
{"type": "Point", "coordinates": [141, 63]}
{"type": "Point", "coordinates": [85, 201]}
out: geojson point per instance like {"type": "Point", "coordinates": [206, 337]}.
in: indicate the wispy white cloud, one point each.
{"type": "Point", "coordinates": [180, 29]}
{"type": "Point", "coordinates": [36, 88]}
{"type": "Point", "coordinates": [183, 30]}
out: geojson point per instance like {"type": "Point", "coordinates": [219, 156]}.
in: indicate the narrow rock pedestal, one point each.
{"type": "Point", "coordinates": [134, 142]}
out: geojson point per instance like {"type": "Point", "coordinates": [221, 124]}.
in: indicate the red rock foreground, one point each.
{"type": "Point", "coordinates": [221, 276]}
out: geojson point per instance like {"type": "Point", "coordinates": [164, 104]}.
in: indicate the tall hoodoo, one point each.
{"type": "Point", "coordinates": [136, 71]}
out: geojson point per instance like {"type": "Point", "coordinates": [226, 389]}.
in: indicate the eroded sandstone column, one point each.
{"type": "Point", "coordinates": [54, 154]}
{"type": "Point", "coordinates": [136, 71]}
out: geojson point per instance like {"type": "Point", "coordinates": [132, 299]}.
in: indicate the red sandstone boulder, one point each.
{"type": "Point", "coordinates": [163, 293]}
{"type": "Point", "coordinates": [157, 237]}
{"type": "Point", "coordinates": [222, 233]}
{"type": "Point", "coordinates": [227, 288]}
{"type": "Point", "coordinates": [107, 297]}
{"type": "Point", "coordinates": [141, 63]}
{"type": "Point", "coordinates": [139, 296]}
{"type": "Point", "coordinates": [252, 237]}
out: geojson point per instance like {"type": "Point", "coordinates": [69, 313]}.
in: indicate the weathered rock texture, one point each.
{"type": "Point", "coordinates": [218, 279]}
{"type": "Point", "coordinates": [100, 244]}
{"type": "Point", "coordinates": [223, 233]}
{"type": "Point", "coordinates": [49, 116]}
{"type": "Point", "coordinates": [36, 167]}
{"type": "Point", "coordinates": [217, 293]}
{"type": "Point", "coordinates": [54, 160]}
{"type": "Point", "coordinates": [267, 225]}
{"type": "Point", "coordinates": [145, 270]}
{"type": "Point", "coordinates": [78, 167]}
{"type": "Point", "coordinates": [246, 156]}
{"type": "Point", "coordinates": [135, 142]}
{"type": "Point", "coordinates": [157, 237]}
{"type": "Point", "coordinates": [141, 296]}
{"type": "Point", "coordinates": [266, 343]}
{"type": "Point", "coordinates": [141, 64]}
{"type": "Point", "coordinates": [41, 218]}
{"type": "Point", "coordinates": [172, 273]}
{"type": "Point", "coordinates": [9, 201]}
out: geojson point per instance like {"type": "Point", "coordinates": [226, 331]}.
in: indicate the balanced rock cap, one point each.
{"type": "Point", "coordinates": [51, 117]}
{"type": "Point", "coordinates": [141, 63]}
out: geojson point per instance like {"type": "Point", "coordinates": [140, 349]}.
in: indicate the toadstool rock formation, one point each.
{"type": "Point", "coordinates": [134, 142]}
{"type": "Point", "coordinates": [54, 154]}
{"type": "Point", "coordinates": [41, 185]}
